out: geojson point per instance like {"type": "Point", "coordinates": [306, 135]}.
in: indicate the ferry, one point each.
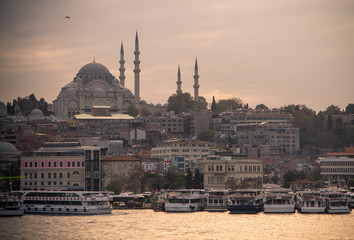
{"type": "Point", "coordinates": [246, 201]}
{"type": "Point", "coordinates": [336, 202]}
{"type": "Point", "coordinates": [279, 201]}
{"type": "Point", "coordinates": [188, 200]}
{"type": "Point", "coordinates": [66, 202]}
{"type": "Point", "coordinates": [127, 201]}
{"type": "Point", "coordinates": [310, 202]}
{"type": "Point", "coordinates": [11, 204]}
{"type": "Point", "coordinates": [216, 200]}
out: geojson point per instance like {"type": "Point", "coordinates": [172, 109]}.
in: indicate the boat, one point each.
{"type": "Point", "coordinates": [127, 201]}
{"type": "Point", "coordinates": [279, 201]}
{"type": "Point", "coordinates": [11, 204]}
{"type": "Point", "coordinates": [246, 201]}
{"type": "Point", "coordinates": [216, 200]}
{"type": "Point", "coordinates": [187, 200]}
{"type": "Point", "coordinates": [336, 202]}
{"type": "Point", "coordinates": [310, 202]}
{"type": "Point", "coordinates": [66, 202]}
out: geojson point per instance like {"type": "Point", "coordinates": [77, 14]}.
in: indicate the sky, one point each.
{"type": "Point", "coordinates": [272, 52]}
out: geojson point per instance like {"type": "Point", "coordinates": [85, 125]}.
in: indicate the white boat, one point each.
{"type": "Point", "coordinates": [11, 204]}
{"type": "Point", "coordinates": [246, 201]}
{"type": "Point", "coordinates": [336, 202]}
{"type": "Point", "coordinates": [66, 202]}
{"type": "Point", "coordinates": [188, 200]}
{"type": "Point", "coordinates": [216, 200]}
{"type": "Point", "coordinates": [310, 202]}
{"type": "Point", "coordinates": [279, 201]}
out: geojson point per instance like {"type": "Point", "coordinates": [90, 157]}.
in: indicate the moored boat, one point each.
{"type": "Point", "coordinates": [66, 202]}
{"type": "Point", "coordinates": [11, 204]}
{"type": "Point", "coordinates": [188, 200]}
{"type": "Point", "coordinates": [246, 201]}
{"type": "Point", "coordinates": [216, 200]}
{"type": "Point", "coordinates": [310, 202]}
{"type": "Point", "coordinates": [279, 201]}
{"type": "Point", "coordinates": [336, 202]}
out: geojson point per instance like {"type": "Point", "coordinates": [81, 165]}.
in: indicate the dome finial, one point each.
{"type": "Point", "coordinates": [94, 59]}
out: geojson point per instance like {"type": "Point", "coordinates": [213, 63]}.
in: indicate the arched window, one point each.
{"type": "Point", "coordinates": [76, 172]}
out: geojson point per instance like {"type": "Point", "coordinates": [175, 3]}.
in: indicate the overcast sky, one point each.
{"type": "Point", "coordinates": [274, 52]}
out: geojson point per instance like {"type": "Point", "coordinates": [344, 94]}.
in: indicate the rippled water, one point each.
{"type": "Point", "coordinates": [147, 224]}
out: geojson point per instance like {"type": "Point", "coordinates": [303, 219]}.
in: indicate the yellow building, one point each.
{"type": "Point", "coordinates": [227, 170]}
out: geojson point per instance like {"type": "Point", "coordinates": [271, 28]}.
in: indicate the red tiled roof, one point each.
{"type": "Point", "coordinates": [121, 158]}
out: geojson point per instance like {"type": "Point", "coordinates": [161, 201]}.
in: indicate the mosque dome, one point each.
{"type": "Point", "coordinates": [94, 68]}
{"type": "Point", "coordinates": [8, 149]}
{"type": "Point", "coordinates": [36, 114]}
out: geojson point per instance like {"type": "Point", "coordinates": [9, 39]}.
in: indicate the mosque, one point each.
{"type": "Point", "coordinates": [94, 85]}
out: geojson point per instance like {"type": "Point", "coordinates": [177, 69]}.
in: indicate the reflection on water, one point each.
{"type": "Point", "coordinates": [147, 224]}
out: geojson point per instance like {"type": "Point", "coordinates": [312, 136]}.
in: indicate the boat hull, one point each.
{"type": "Point", "coordinates": [237, 209]}
{"type": "Point", "coordinates": [312, 210]}
{"type": "Point", "coordinates": [11, 212]}
{"type": "Point", "coordinates": [288, 208]}
{"type": "Point", "coordinates": [62, 210]}
{"type": "Point", "coordinates": [338, 210]}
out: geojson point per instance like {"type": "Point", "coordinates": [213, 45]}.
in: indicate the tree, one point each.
{"type": "Point", "coordinates": [225, 105]}
{"type": "Point", "coordinates": [115, 185]}
{"type": "Point", "coordinates": [332, 110]}
{"type": "Point", "coordinates": [288, 177]}
{"type": "Point", "coordinates": [152, 182]}
{"type": "Point", "coordinates": [329, 123]}
{"type": "Point", "coordinates": [182, 102]}
{"type": "Point", "coordinates": [175, 179]}
{"type": "Point", "coordinates": [197, 180]}
{"type": "Point", "coordinates": [350, 182]}
{"type": "Point", "coordinates": [206, 135]}
{"type": "Point", "coordinates": [350, 109]}
{"type": "Point", "coordinates": [201, 105]}
{"type": "Point", "coordinates": [189, 179]}
{"type": "Point", "coordinates": [261, 106]}
{"type": "Point", "coordinates": [132, 111]}
{"type": "Point", "coordinates": [144, 111]}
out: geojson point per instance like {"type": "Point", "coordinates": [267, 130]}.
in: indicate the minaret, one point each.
{"type": "Point", "coordinates": [121, 68]}
{"type": "Point", "coordinates": [179, 82]}
{"type": "Point", "coordinates": [137, 72]}
{"type": "Point", "coordinates": [196, 85]}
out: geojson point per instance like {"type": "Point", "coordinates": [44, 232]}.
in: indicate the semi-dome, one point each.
{"type": "Point", "coordinates": [94, 68]}
{"type": "Point", "coordinates": [36, 114]}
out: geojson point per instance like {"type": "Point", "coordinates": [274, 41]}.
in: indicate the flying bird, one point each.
{"type": "Point", "coordinates": [68, 17]}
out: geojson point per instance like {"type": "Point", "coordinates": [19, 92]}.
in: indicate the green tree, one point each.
{"type": "Point", "coordinates": [288, 177]}
{"type": "Point", "coordinates": [350, 109]}
{"type": "Point", "coordinates": [152, 182]}
{"type": "Point", "coordinates": [329, 123]}
{"type": "Point", "coordinates": [332, 110]}
{"type": "Point", "coordinates": [197, 180]}
{"type": "Point", "coordinates": [182, 102]}
{"type": "Point", "coordinates": [175, 179]}
{"type": "Point", "coordinates": [132, 111]}
{"type": "Point", "coordinates": [201, 105]}
{"type": "Point", "coordinates": [225, 105]}
{"type": "Point", "coordinates": [261, 106]}
{"type": "Point", "coordinates": [189, 179]}
{"type": "Point", "coordinates": [115, 185]}
{"type": "Point", "coordinates": [144, 111]}
{"type": "Point", "coordinates": [206, 135]}
{"type": "Point", "coordinates": [350, 182]}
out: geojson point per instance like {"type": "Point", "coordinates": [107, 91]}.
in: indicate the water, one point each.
{"type": "Point", "coordinates": [147, 224]}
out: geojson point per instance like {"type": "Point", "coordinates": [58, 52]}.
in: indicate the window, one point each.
{"type": "Point", "coordinates": [55, 164]}
{"type": "Point", "coordinates": [30, 164]}
{"type": "Point", "coordinates": [49, 164]}
{"type": "Point", "coordinates": [76, 172]}
{"type": "Point", "coordinates": [42, 164]}
{"type": "Point", "coordinates": [35, 175]}
{"type": "Point", "coordinates": [68, 175]}
{"type": "Point", "coordinates": [60, 175]}
{"type": "Point", "coordinates": [61, 164]}
{"type": "Point", "coordinates": [30, 176]}
{"type": "Point", "coordinates": [49, 175]}
{"type": "Point", "coordinates": [42, 175]}
{"type": "Point", "coordinates": [35, 164]}
{"type": "Point", "coordinates": [49, 183]}
{"type": "Point", "coordinates": [73, 164]}
{"type": "Point", "coordinates": [68, 164]}
{"type": "Point", "coordinates": [55, 175]}
{"type": "Point", "coordinates": [78, 164]}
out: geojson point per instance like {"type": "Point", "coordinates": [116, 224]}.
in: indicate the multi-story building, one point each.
{"type": "Point", "coordinates": [338, 167]}
{"type": "Point", "coordinates": [227, 170]}
{"type": "Point", "coordinates": [168, 123]}
{"type": "Point", "coordinates": [188, 148]}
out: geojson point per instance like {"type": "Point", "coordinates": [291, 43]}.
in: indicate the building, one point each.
{"type": "Point", "coordinates": [56, 166]}
{"type": "Point", "coordinates": [338, 168]}
{"type": "Point", "coordinates": [94, 85]}
{"type": "Point", "coordinates": [92, 169]}
{"type": "Point", "coordinates": [187, 148]}
{"type": "Point", "coordinates": [124, 168]}
{"type": "Point", "coordinates": [223, 169]}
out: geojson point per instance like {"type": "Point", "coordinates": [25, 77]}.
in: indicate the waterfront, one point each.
{"type": "Point", "coordinates": [147, 224]}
